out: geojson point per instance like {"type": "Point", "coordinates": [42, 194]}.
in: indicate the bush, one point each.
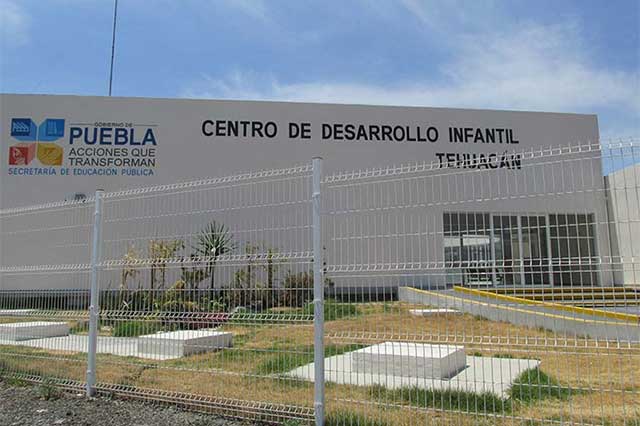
{"type": "Point", "coordinates": [136, 328]}
{"type": "Point", "coordinates": [534, 384]}
{"type": "Point", "coordinates": [298, 289]}
{"type": "Point", "coordinates": [334, 310]}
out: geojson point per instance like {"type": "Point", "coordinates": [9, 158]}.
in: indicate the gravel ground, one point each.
{"type": "Point", "coordinates": [28, 406]}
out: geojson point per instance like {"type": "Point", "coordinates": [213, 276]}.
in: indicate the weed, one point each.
{"type": "Point", "coordinates": [534, 385]}
{"type": "Point", "coordinates": [503, 356]}
{"type": "Point", "coordinates": [294, 422]}
{"type": "Point", "coordinates": [344, 417]}
{"type": "Point", "coordinates": [16, 381]}
{"type": "Point", "coordinates": [47, 389]}
{"type": "Point", "coordinates": [447, 399]}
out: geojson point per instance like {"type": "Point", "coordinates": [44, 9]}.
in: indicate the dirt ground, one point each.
{"type": "Point", "coordinates": [36, 405]}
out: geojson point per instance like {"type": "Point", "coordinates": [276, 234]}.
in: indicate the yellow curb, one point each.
{"type": "Point", "coordinates": [509, 308]}
{"type": "Point", "coordinates": [551, 305]}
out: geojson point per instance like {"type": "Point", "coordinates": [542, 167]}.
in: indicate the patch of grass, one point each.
{"type": "Point", "coordinates": [136, 328]}
{"type": "Point", "coordinates": [297, 357]}
{"type": "Point", "coordinates": [534, 385]}
{"type": "Point", "coordinates": [344, 417]}
{"type": "Point", "coordinates": [15, 381]}
{"type": "Point", "coordinates": [447, 399]}
{"type": "Point", "coordinates": [132, 378]}
{"type": "Point", "coordinates": [503, 356]}
{"type": "Point", "coordinates": [80, 327]}
{"type": "Point", "coordinates": [334, 310]}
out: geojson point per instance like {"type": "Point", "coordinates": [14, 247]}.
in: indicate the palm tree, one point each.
{"type": "Point", "coordinates": [214, 241]}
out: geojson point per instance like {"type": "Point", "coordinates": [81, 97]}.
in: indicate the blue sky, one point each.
{"type": "Point", "coordinates": [570, 56]}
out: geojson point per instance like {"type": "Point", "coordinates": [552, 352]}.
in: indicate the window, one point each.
{"type": "Point", "coordinates": [467, 248]}
{"type": "Point", "coordinates": [573, 249]}
{"type": "Point", "coordinates": [510, 249]}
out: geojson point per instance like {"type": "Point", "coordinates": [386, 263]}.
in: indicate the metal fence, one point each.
{"type": "Point", "coordinates": [476, 290]}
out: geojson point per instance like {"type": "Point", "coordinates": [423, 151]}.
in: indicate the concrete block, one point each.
{"type": "Point", "coordinates": [33, 330]}
{"type": "Point", "coordinates": [183, 342]}
{"type": "Point", "coordinates": [406, 359]}
{"type": "Point", "coordinates": [434, 311]}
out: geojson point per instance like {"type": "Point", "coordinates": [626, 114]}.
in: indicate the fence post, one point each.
{"type": "Point", "coordinates": [94, 294]}
{"type": "Point", "coordinates": [318, 296]}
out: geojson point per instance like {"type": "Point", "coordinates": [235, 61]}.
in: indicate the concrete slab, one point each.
{"type": "Point", "coordinates": [15, 312]}
{"type": "Point", "coordinates": [121, 346]}
{"type": "Point", "coordinates": [407, 359]}
{"type": "Point", "coordinates": [32, 330]}
{"type": "Point", "coordinates": [434, 311]}
{"type": "Point", "coordinates": [183, 342]}
{"type": "Point", "coordinates": [124, 346]}
{"type": "Point", "coordinates": [482, 374]}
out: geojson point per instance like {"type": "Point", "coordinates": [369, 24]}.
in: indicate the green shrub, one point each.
{"type": "Point", "coordinates": [534, 384]}
{"type": "Point", "coordinates": [136, 328]}
{"type": "Point", "coordinates": [334, 310]}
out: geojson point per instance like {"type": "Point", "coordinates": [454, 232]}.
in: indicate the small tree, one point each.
{"type": "Point", "coordinates": [130, 268]}
{"type": "Point", "coordinates": [192, 275]}
{"type": "Point", "coordinates": [270, 293]}
{"type": "Point", "coordinates": [159, 253]}
{"type": "Point", "coordinates": [214, 241]}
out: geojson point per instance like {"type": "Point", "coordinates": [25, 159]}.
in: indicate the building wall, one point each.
{"type": "Point", "coordinates": [624, 216]}
{"type": "Point", "coordinates": [183, 152]}
{"type": "Point", "coordinates": [412, 218]}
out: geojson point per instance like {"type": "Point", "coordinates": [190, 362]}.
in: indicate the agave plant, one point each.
{"type": "Point", "coordinates": [214, 241]}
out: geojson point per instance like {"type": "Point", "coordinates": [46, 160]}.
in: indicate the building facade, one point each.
{"type": "Point", "coordinates": [492, 208]}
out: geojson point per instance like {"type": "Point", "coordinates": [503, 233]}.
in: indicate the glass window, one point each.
{"type": "Point", "coordinates": [568, 239]}
{"type": "Point", "coordinates": [467, 248]}
{"type": "Point", "coordinates": [573, 249]}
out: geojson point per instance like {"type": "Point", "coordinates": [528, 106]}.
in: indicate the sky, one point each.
{"type": "Point", "coordinates": [543, 55]}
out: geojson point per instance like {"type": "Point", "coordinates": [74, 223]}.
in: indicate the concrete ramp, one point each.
{"type": "Point", "coordinates": [533, 316]}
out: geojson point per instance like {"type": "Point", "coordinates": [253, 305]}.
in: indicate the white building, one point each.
{"type": "Point", "coordinates": [533, 212]}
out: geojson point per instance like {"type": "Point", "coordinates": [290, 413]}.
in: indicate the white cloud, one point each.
{"type": "Point", "coordinates": [14, 24]}
{"type": "Point", "coordinates": [254, 8]}
{"type": "Point", "coordinates": [538, 67]}
{"type": "Point", "coordinates": [453, 17]}
{"type": "Point", "coordinates": [495, 61]}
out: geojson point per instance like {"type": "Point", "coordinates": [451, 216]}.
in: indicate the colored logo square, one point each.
{"type": "Point", "coordinates": [50, 154]}
{"type": "Point", "coordinates": [21, 154]}
{"type": "Point", "coordinates": [23, 129]}
{"type": "Point", "coordinates": [51, 129]}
